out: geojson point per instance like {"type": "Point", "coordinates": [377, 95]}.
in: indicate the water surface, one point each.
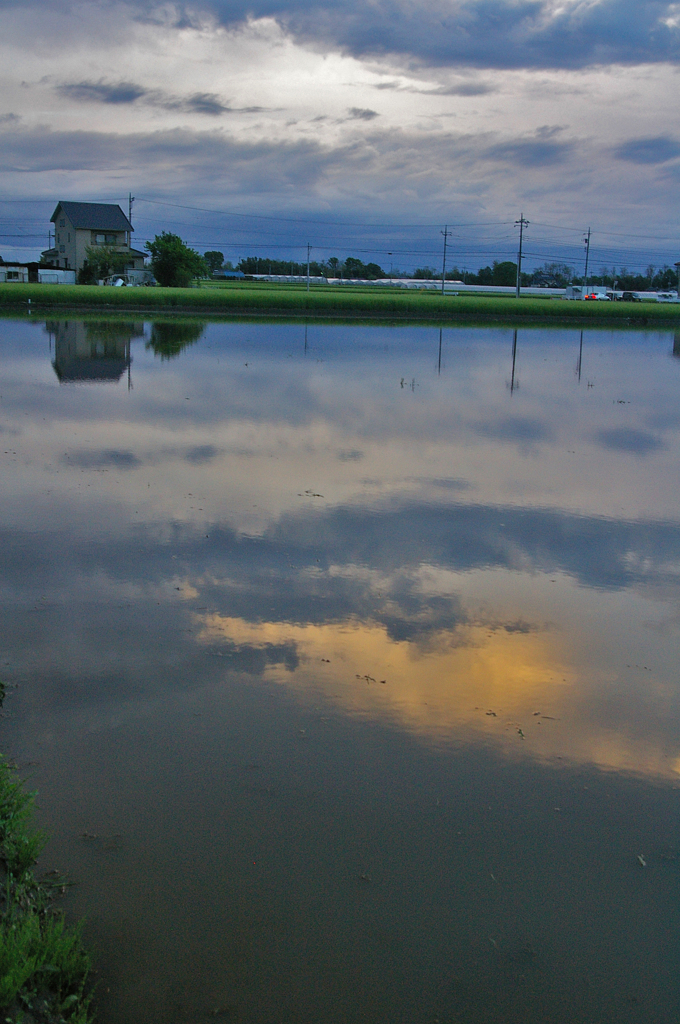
{"type": "Point", "coordinates": [347, 664]}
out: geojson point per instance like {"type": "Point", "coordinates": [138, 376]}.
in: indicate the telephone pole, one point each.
{"type": "Point", "coordinates": [586, 242]}
{"type": "Point", "coordinates": [309, 249]}
{"type": "Point", "coordinates": [523, 223]}
{"type": "Point", "coordinates": [131, 200]}
{"type": "Point", "coordinates": [446, 234]}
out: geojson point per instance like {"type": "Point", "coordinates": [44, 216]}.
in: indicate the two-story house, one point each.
{"type": "Point", "coordinates": [80, 225]}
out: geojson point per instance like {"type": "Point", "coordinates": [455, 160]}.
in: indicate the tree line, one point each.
{"type": "Point", "coordinates": [503, 273]}
{"type": "Point", "coordinates": [558, 275]}
{"type": "Point", "coordinates": [174, 264]}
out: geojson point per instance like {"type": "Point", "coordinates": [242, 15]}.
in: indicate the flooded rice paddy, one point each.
{"type": "Point", "coordinates": [347, 665]}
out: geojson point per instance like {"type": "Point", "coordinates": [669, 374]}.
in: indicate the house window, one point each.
{"type": "Point", "coordinates": [62, 223]}
{"type": "Point", "coordinates": [12, 275]}
{"type": "Point", "coordinates": [104, 239]}
{"type": "Point", "coordinates": [62, 248]}
{"type": "Point", "coordinates": [69, 236]}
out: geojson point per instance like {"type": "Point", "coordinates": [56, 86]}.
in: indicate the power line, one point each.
{"type": "Point", "coordinates": [311, 220]}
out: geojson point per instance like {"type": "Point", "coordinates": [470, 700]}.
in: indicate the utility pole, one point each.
{"type": "Point", "coordinates": [586, 242]}
{"type": "Point", "coordinates": [309, 249]}
{"type": "Point", "coordinates": [446, 234]}
{"type": "Point", "coordinates": [522, 225]}
{"type": "Point", "coordinates": [131, 200]}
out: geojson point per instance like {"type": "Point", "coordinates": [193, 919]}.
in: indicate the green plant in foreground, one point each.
{"type": "Point", "coordinates": [40, 954]}
{"type": "Point", "coordinates": [44, 966]}
{"type": "Point", "coordinates": [20, 848]}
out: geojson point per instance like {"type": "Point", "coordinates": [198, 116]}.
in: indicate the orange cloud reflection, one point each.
{"type": "Point", "coordinates": [516, 690]}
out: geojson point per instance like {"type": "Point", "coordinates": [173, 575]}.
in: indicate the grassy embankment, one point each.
{"type": "Point", "coordinates": [326, 301]}
{"type": "Point", "coordinates": [44, 966]}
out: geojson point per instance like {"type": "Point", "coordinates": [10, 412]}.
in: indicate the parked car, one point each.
{"type": "Point", "coordinates": [596, 297]}
{"type": "Point", "coordinates": [630, 297]}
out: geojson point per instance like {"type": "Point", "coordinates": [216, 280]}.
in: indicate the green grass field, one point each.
{"type": "Point", "coordinates": [325, 301]}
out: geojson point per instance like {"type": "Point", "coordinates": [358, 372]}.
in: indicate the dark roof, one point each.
{"type": "Point", "coordinates": [95, 216]}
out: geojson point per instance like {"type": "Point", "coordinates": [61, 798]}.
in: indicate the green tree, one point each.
{"type": "Point", "coordinates": [355, 268]}
{"type": "Point", "coordinates": [214, 260]}
{"type": "Point", "coordinates": [504, 273]}
{"type": "Point", "coordinates": [553, 275]}
{"type": "Point", "coordinates": [173, 263]}
{"type": "Point", "coordinates": [101, 261]}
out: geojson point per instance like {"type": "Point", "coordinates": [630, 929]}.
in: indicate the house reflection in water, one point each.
{"type": "Point", "coordinates": [97, 351]}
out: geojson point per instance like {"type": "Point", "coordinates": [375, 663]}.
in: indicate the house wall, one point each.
{"type": "Point", "coordinates": [86, 238]}
{"type": "Point", "coordinates": [65, 241]}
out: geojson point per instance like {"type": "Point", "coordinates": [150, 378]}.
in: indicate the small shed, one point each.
{"type": "Point", "coordinates": [13, 273]}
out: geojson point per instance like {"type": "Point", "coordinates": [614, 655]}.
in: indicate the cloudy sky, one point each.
{"type": "Point", "coordinates": [359, 127]}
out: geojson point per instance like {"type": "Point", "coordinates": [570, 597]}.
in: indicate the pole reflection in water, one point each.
{"type": "Point", "coordinates": [513, 383]}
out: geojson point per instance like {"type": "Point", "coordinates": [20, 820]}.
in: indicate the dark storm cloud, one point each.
{"type": "Point", "coordinates": [472, 88]}
{"type": "Point", "coordinates": [102, 92]}
{"type": "Point", "coordinates": [531, 152]}
{"type": "Point", "coordinates": [515, 430]}
{"type": "Point", "coordinates": [267, 166]}
{"type": "Point", "coordinates": [649, 151]}
{"type": "Point", "coordinates": [483, 33]}
{"type": "Point", "coordinates": [463, 89]}
{"type": "Point", "coordinates": [362, 114]}
{"type": "Point", "coordinates": [126, 93]}
{"type": "Point", "coordinates": [111, 459]}
{"type": "Point", "coordinates": [626, 439]}
{"type": "Point", "coordinates": [205, 103]}
{"type": "Point", "coordinates": [202, 453]}
{"type": "Point", "coordinates": [451, 484]}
